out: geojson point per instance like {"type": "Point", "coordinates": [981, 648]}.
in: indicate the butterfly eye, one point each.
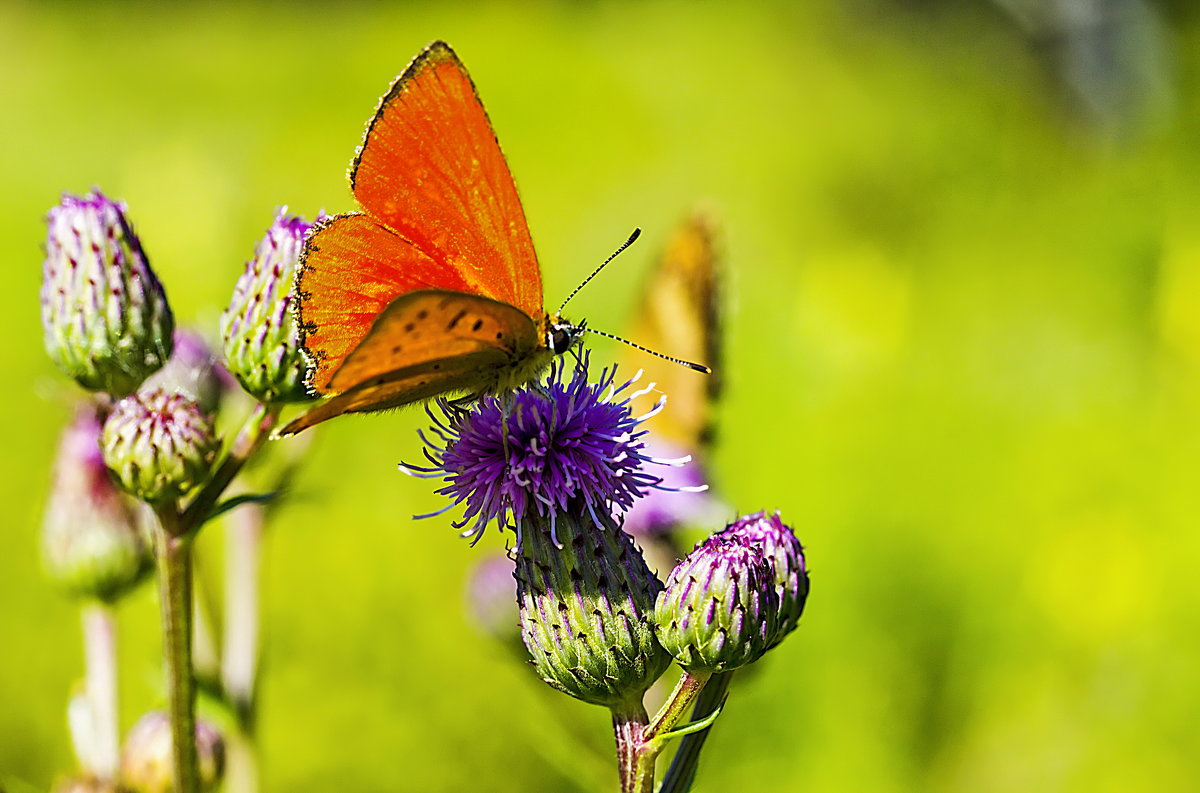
{"type": "Point", "coordinates": [562, 336]}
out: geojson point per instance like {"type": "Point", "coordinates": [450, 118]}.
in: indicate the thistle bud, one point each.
{"type": "Point", "coordinates": [586, 606]}
{"type": "Point", "coordinates": [105, 316]}
{"type": "Point", "coordinates": [90, 542]}
{"type": "Point", "coordinates": [554, 463]}
{"type": "Point", "coordinates": [146, 759]}
{"type": "Point", "coordinates": [778, 544]}
{"type": "Point", "coordinates": [719, 609]}
{"type": "Point", "coordinates": [262, 344]}
{"type": "Point", "coordinates": [86, 784]}
{"type": "Point", "coordinates": [159, 446]}
{"type": "Point", "coordinates": [192, 370]}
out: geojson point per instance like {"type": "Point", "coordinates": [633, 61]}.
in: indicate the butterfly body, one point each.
{"type": "Point", "coordinates": [434, 286]}
{"type": "Point", "coordinates": [436, 342]}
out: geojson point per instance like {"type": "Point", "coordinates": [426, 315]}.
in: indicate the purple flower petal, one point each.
{"type": "Point", "coordinates": [570, 445]}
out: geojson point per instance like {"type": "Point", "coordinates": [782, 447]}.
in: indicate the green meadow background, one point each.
{"type": "Point", "coordinates": [962, 243]}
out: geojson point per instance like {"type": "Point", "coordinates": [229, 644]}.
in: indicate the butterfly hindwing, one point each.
{"type": "Point", "coordinates": [403, 387]}
{"type": "Point", "coordinates": [424, 327]}
{"type": "Point", "coordinates": [429, 343]}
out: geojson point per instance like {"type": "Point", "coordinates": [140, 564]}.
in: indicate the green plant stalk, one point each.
{"type": "Point", "coordinates": [249, 439]}
{"type": "Point", "coordinates": [175, 588]}
{"type": "Point", "coordinates": [639, 744]}
{"type": "Point", "coordinates": [629, 725]}
{"type": "Point", "coordinates": [173, 543]}
{"type": "Point", "coordinates": [241, 764]}
{"type": "Point", "coordinates": [100, 668]}
{"type": "Point", "coordinates": [686, 690]}
{"type": "Point", "coordinates": [239, 665]}
{"type": "Point", "coordinates": [682, 771]}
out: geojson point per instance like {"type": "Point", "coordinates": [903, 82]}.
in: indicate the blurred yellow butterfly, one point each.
{"type": "Point", "coordinates": [680, 312]}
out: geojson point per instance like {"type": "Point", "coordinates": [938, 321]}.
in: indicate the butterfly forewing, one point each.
{"type": "Point", "coordinates": [440, 212]}
{"type": "Point", "coordinates": [430, 169]}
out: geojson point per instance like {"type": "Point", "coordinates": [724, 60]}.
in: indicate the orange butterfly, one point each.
{"type": "Point", "coordinates": [434, 287]}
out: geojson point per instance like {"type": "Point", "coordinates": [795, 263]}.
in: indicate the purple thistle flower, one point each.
{"type": "Point", "coordinates": [572, 446]}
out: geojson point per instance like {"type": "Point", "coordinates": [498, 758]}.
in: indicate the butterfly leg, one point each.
{"type": "Point", "coordinates": [578, 356]}
{"type": "Point", "coordinates": [461, 405]}
{"type": "Point", "coordinates": [505, 404]}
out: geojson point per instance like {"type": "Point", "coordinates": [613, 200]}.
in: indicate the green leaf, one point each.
{"type": "Point", "coordinates": [237, 501]}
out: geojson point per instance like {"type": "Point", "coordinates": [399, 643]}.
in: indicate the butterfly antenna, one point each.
{"type": "Point", "coordinates": [699, 367]}
{"type": "Point", "coordinates": [632, 237]}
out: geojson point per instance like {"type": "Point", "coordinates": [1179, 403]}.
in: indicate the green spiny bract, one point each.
{"type": "Point", "coordinates": [586, 608]}
{"type": "Point", "coordinates": [719, 609]}
{"type": "Point", "coordinates": [105, 317]}
{"type": "Point", "coordinates": [261, 340]}
{"type": "Point", "coordinates": [159, 446]}
{"type": "Point", "coordinates": [783, 551]}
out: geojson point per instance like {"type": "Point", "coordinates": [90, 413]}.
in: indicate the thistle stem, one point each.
{"type": "Point", "coordinates": [100, 663]}
{"type": "Point", "coordinates": [241, 764]}
{"type": "Point", "coordinates": [240, 658]}
{"type": "Point", "coordinates": [252, 435]}
{"type": "Point", "coordinates": [682, 770]}
{"type": "Point", "coordinates": [639, 743]}
{"type": "Point", "coordinates": [239, 667]}
{"type": "Point", "coordinates": [175, 587]}
{"type": "Point", "coordinates": [686, 690]}
{"type": "Point", "coordinates": [629, 725]}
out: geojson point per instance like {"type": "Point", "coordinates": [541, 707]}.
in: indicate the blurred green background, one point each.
{"type": "Point", "coordinates": [963, 252]}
